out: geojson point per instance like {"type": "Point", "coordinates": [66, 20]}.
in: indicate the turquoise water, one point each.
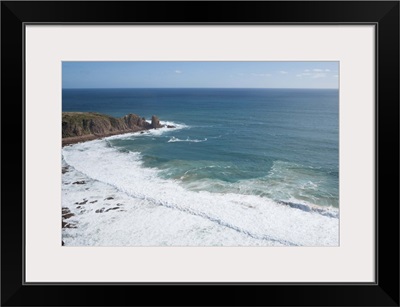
{"type": "Point", "coordinates": [281, 144]}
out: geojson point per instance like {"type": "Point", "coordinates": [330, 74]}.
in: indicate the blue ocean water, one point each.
{"type": "Point", "coordinates": [282, 144]}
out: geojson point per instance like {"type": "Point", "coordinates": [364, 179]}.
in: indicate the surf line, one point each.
{"type": "Point", "coordinates": [222, 223]}
{"type": "Point", "coordinates": [195, 213]}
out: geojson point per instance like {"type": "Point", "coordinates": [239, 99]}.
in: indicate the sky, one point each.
{"type": "Point", "coordinates": [217, 74]}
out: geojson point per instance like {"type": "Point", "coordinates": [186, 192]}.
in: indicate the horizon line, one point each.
{"type": "Point", "coordinates": [261, 88]}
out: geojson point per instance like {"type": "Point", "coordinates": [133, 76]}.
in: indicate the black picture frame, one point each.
{"type": "Point", "coordinates": [383, 14]}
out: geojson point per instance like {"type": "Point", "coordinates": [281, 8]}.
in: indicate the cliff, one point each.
{"type": "Point", "coordinates": [84, 126]}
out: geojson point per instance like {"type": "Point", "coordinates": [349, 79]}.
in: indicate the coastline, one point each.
{"type": "Point", "coordinates": [90, 137]}
{"type": "Point", "coordinates": [95, 213]}
{"type": "Point", "coordinates": [80, 127]}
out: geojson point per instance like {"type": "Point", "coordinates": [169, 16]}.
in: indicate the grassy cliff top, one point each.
{"type": "Point", "coordinates": [84, 115]}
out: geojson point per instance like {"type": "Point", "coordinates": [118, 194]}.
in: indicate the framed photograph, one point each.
{"type": "Point", "coordinates": [204, 147]}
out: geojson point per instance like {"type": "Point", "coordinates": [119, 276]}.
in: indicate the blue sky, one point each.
{"type": "Point", "coordinates": [200, 74]}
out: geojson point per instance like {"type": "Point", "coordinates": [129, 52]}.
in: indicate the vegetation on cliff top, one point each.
{"type": "Point", "coordinates": [79, 124]}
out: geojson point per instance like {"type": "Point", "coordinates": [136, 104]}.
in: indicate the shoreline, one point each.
{"type": "Point", "coordinates": [99, 211]}
{"type": "Point", "coordinates": [90, 137]}
{"type": "Point", "coordinates": [95, 213]}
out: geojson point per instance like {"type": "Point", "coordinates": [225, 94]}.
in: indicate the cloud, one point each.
{"type": "Point", "coordinates": [317, 70]}
{"type": "Point", "coordinates": [335, 76]}
{"type": "Point", "coordinates": [261, 75]}
{"type": "Point", "coordinates": [283, 72]}
{"type": "Point", "coordinates": [327, 70]}
{"type": "Point", "coordinates": [318, 75]}
{"type": "Point", "coordinates": [178, 71]}
{"type": "Point", "coordinates": [315, 74]}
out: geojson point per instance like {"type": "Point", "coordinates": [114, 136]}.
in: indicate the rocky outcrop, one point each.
{"type": "Point", "coordinates": [133, 120]}
{"type": "Point", "coordinates": [84, 126]}
{"type": "Point", "coordinates": [155, 122]}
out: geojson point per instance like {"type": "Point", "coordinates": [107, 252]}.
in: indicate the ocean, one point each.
{"type": "Point", "coordinates": [243, 167]}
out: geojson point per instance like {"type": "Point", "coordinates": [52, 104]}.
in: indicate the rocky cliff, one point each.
{"type": "Point", "coordinates": [84, 126]}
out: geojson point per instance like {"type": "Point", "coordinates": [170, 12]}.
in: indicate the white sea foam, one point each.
{"type": "Point", "coordinates": [137, 222]}
{"type": "Point", "coordinates": [199, 218]}
{"type": "Point", "coordinates": [159, 131]}
{"type": "Point", "coordinates": [151, 132]}
{"type": "Point", "coordinates": [174, 139]}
